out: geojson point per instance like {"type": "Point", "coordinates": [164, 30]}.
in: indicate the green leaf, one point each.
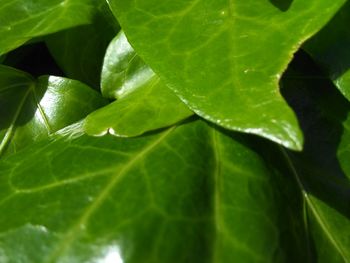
{"type": "Point", "coordinates": [123, 70]}
{"type": "Point", "coordinates": [79, 51]}
{"type": "Point", "coordinates": [247, 196]}
{"type": "Point", "coordinates": [22, 20]}
{"type": "Point", "coordinates": [321, 170]}
{"type": "Point", "coordinates": [143, 103]}
{"type": "Point", "coordinates": [148, 108]}
{"type": "Point", "coordinates": [330, 47]}
{"type": "Point", "coordinates": [191, 191]}
{"type": "Point", "coordinates": [30, 110]}
{"type": "Point", "coordinates": [137, 203]}
{"type": "Point", "coordinates": [225, 58]}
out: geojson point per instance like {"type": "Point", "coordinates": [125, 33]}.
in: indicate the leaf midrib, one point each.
{"type": "Point", "coordinates": [10, 130]}
{"type": "Point", "coordinates": [42, 112]}
{"type": "Point", "coordinates": [73, 232]}
{"type": "Point", "coordinates": [322, 223]}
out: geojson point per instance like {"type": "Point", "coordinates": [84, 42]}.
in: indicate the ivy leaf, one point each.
{"type": "Point", "coordinates": [225, 58]}
{"type": "Point", "coordinates": [80, 50]}
{"type": "Point", "coordinates": [191, 192]}
{"type": "Point", "coordinates": [144, 103]}
{"type": "Point", "coordinates": [126, 205]}
{"type": "Point", "coordinates": [123, 70]}
{"type": "Point", "coordinates": [330, 47]}
{"type": "Point", "coordinates": [322, 169]}
{"type": "Point", "coordinates": [33, 109]}
{"type": "Point", "coordinates": [242, 202]}
{"type": "Point", "coordinates": [22, 20]}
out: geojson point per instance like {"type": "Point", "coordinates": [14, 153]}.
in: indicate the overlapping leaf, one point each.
{"type": "Point", "coordinates": [330, 47]}
{"type": "Point", "coordinates": [80, 50]}
{"type": "Point", "coordinates": [225, 58]}
{"type": "Point", "coordinates": [322, 169]}
{"type": "Point", "coordinates": [137, 202]}
{"type": "Point", "coordinates": [144, 103]}
{"type": "Point", "coordinates": [22, 20]}
{"type": "Point", "coordinates": [192, 192]}
{"type": "Point", "coordinates": [32, 109]}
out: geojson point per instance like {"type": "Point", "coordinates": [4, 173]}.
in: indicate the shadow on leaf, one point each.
{"type": "Point", "coordinates": [321, 110]}
{"type": "Point", "coordinates": [282, 5]}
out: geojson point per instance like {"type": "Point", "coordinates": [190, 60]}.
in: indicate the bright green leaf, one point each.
{"type": "Point", "coordinates": [137, 203]}
{"type": "Point", "coordinates": [143, 103]}
{"type": "Point", "coordinates": [225, 58]}
{"type": "Point", "coordinates": [123, 70]}
{"type": "Point", "coordinates": [22, 20]}
{"type": "Point", "coordinates": [150, 107]}
{"type": "Point", "coordinates": [31, 110]}
{"type": "Point", "coordinates": [193, 192]}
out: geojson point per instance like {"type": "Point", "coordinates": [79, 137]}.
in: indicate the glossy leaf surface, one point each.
{"type": "Point", "coordinates": [21, 20]}
{"type": "Point", "coordinates": [143, 103]}
{"type": "Point", "coordinates": [32, 109]}
{"type": "Point", "coordinates": [330, 47]}
{"type": "Point", "coordinates": [225, 58]}
{"type": "Point", "coordinates": [191, 191]}
{"type": "Point", "coordinates": [80, 50]}
{"type": "Point", "coordinates": [137, 202]}
{"type": "Point", "coordinates": [123, 70]}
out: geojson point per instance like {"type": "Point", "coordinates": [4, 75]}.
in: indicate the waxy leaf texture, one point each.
{"type": "Point", "coordinates": [138, 202]}
{"type": "Point", "coordinates": [22, 20]}
{"type": "Point", "coordinates": [174, 131]}
{"type": "Point", "coordinates": [33, 109]}
{"type": "Point", "coordinates": [217, 55]}
{"type": "Point", "coordinates": [143, 103]}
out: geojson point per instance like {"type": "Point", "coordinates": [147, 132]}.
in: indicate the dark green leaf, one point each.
{"type": "Point", "coordinates": [22, 20]}
{"type": "Point", "coordinates": [80, 50]}
{"type": "Point", "coordinates": [330, 47]}
{"type": "Point", "coordinates": [147, 199]}
{"type": "Point", "coordinates": [30, 110]}
{"type": "Point", "coordinates": [321, 170]}
{"type": "Point", "coordinates": [143, 103]}
{"type": "Point", "coordinates": [225, 58]}
{"type": "Point", "coordinates": [191, 192]}
{"type": "Point", "coordinates": [247, 195]}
